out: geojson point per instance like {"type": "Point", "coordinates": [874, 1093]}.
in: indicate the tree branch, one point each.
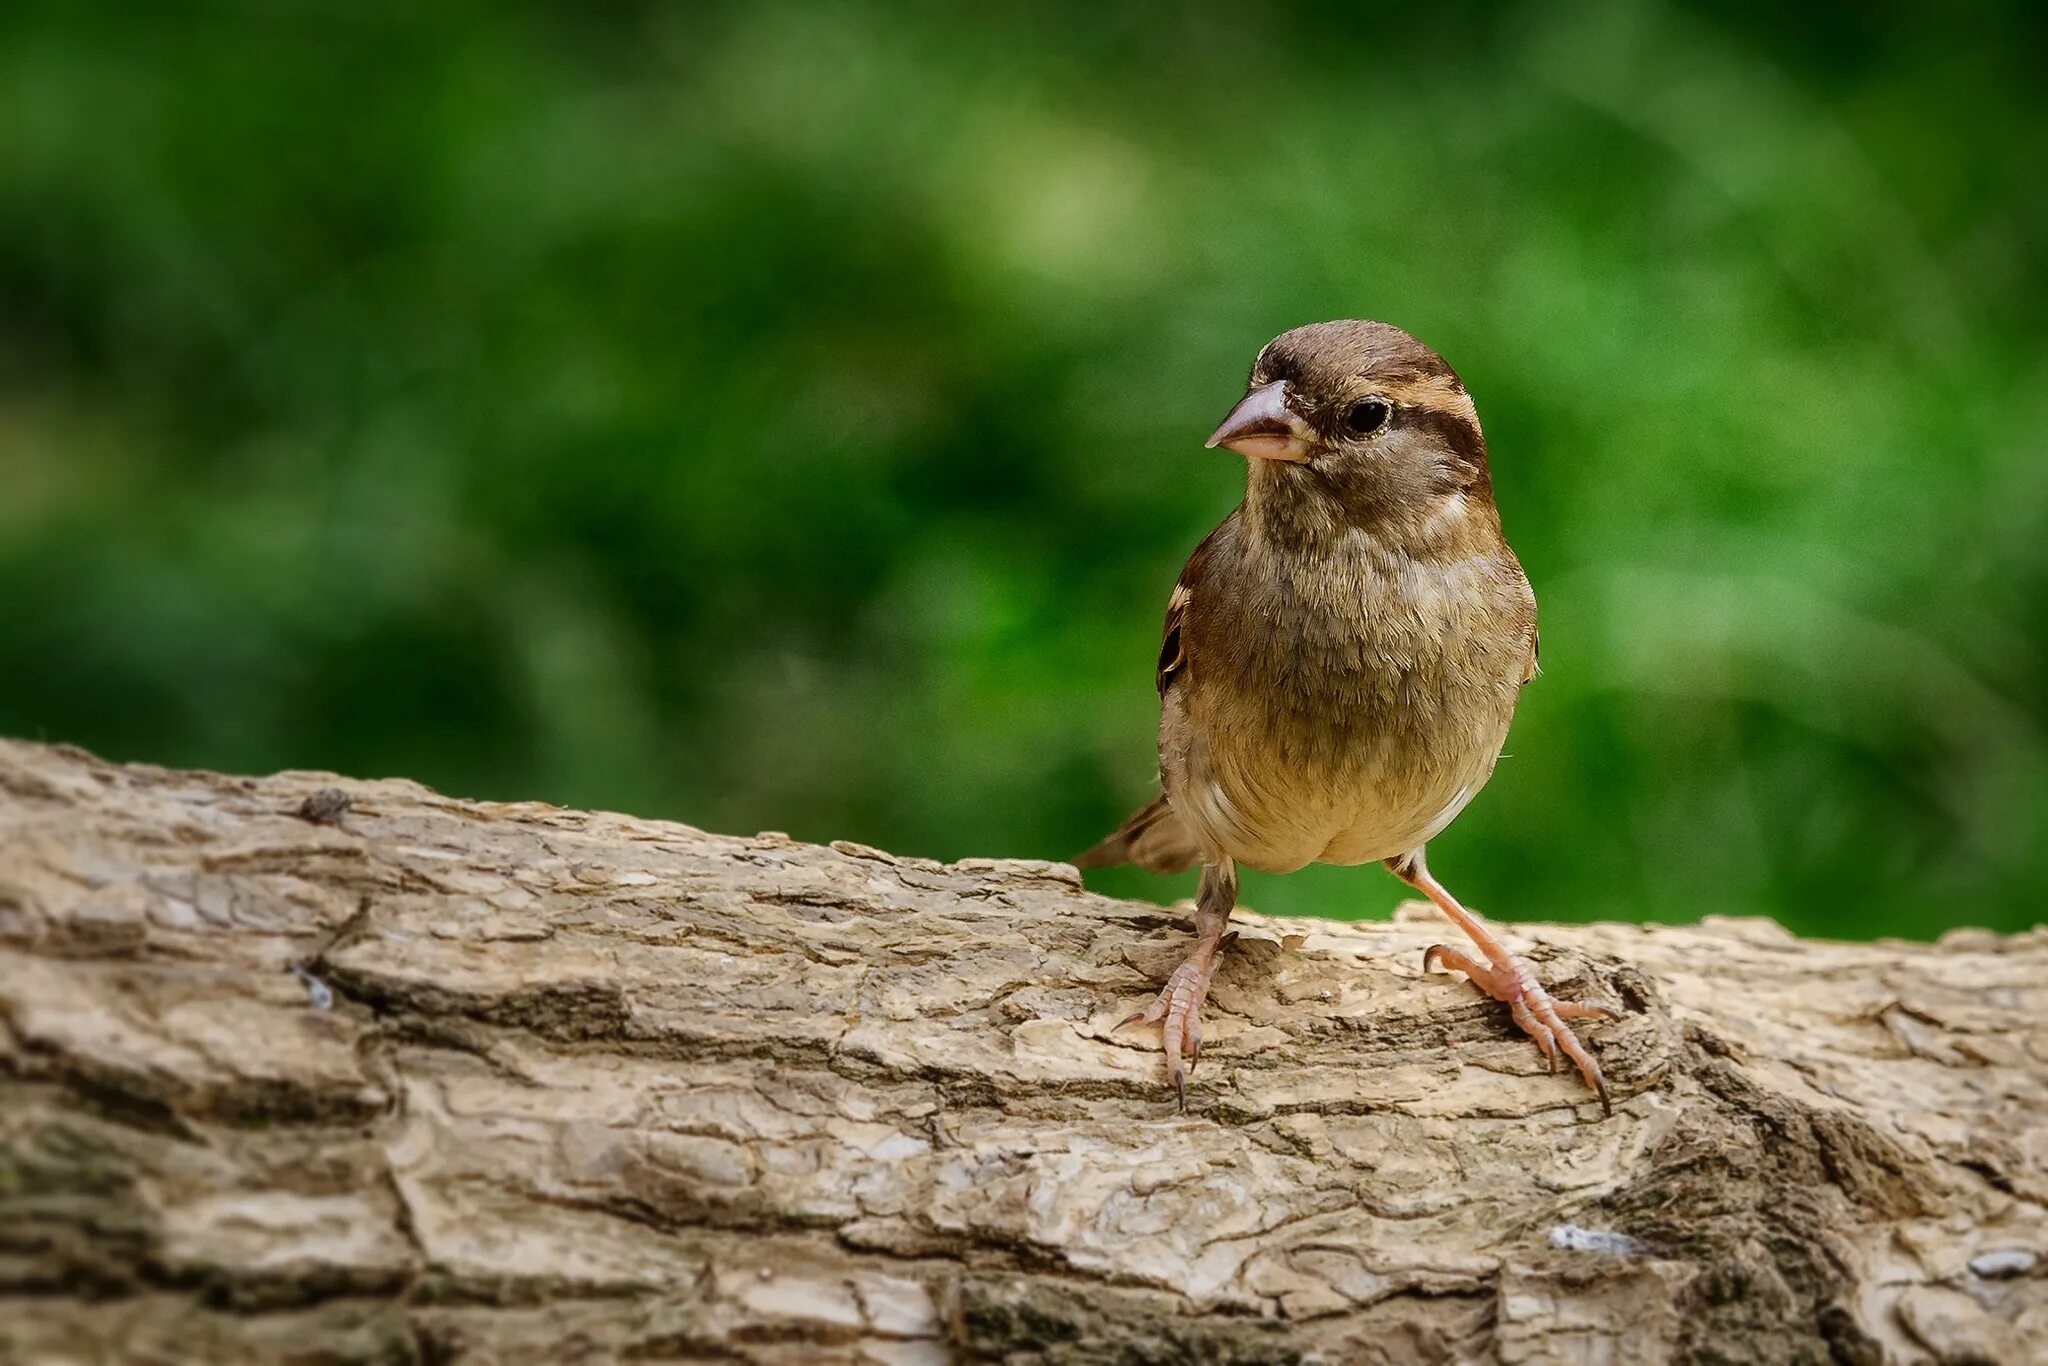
{"type": "Point", "coordinates": [602, 1086]}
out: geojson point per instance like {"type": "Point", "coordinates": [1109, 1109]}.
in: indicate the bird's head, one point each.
{"type": "Point", "coordinates": [1361, 418]}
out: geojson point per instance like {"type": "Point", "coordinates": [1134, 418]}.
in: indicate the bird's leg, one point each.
{"type": "Point", "coordinates": [1179, 1002]}
{"type": "Point", "coordinates": [1506, 978]}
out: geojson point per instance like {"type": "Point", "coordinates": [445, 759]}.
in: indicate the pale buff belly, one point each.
{"type": "Point", "coordinates": [1274, 806]}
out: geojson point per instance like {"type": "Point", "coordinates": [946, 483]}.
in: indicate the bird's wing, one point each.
{"type": "Point", "coordinates": [1173, 655]}
{"type": "Point", "coordinates": [1173, 650]}
{"type": "Point", "coordinates": [1155, 838]}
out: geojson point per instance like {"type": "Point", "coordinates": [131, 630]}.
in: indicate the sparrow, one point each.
{"type": "Point", "coordinates": [1341, 659]}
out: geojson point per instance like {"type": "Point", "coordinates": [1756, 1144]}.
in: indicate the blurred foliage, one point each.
{"type": "Point", "coordinates": [789, 415]}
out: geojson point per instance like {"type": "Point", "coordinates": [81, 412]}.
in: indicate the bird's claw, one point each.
{"type": "Point", "coordinates": [1178, 1009]}
{"type": "Point", "coordinates": [1534, 1010]}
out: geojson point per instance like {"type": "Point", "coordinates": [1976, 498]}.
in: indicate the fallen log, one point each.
{"type": "Point", "coordinates": [306, 1068]}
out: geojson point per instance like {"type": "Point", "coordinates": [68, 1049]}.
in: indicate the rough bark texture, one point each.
{"type": "Point", "coordinates": [589, 1086]}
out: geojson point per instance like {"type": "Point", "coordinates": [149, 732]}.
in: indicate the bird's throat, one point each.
{"type": "Point", "coordinates": [1300, 510]}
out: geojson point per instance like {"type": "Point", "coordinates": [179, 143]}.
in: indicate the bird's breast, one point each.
{"type": "Point", "coordinates": [1344, 710]}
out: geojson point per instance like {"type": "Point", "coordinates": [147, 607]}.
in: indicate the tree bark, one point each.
{"type": "Point", "coordinates": [405, 1077]}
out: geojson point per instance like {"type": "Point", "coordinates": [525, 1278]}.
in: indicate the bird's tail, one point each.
{"type": "Point", "coordinates": [1153, 838]}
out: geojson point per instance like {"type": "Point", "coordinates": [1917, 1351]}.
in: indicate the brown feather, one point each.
{"type": "Point", "coordinates": [1153, 838]}
{"type": "Point", "coordinates": [1172, 648]}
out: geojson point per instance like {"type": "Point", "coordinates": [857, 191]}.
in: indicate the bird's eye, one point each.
{"type": "Point", "coordinates": [1367, 416]}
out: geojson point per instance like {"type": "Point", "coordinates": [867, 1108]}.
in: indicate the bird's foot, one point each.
{"type": "Point", "coordinates": [1541, 1017]}
{"type": "Point", "coordinates": [1179, 1005]}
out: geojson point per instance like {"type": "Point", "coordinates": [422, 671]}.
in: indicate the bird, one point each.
{"type": "Point", "coordinates": [1340, 662]}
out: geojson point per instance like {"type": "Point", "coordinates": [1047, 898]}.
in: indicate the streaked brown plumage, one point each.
{"type": "Point", "coordinates": [1341, 656]}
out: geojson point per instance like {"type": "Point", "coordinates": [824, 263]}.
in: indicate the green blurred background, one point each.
{"type": "Point", "coordinates": [790, 416]}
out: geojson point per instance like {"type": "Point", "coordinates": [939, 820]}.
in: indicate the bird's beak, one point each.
{"type": "Point", "coordinates": [1263, 427]}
